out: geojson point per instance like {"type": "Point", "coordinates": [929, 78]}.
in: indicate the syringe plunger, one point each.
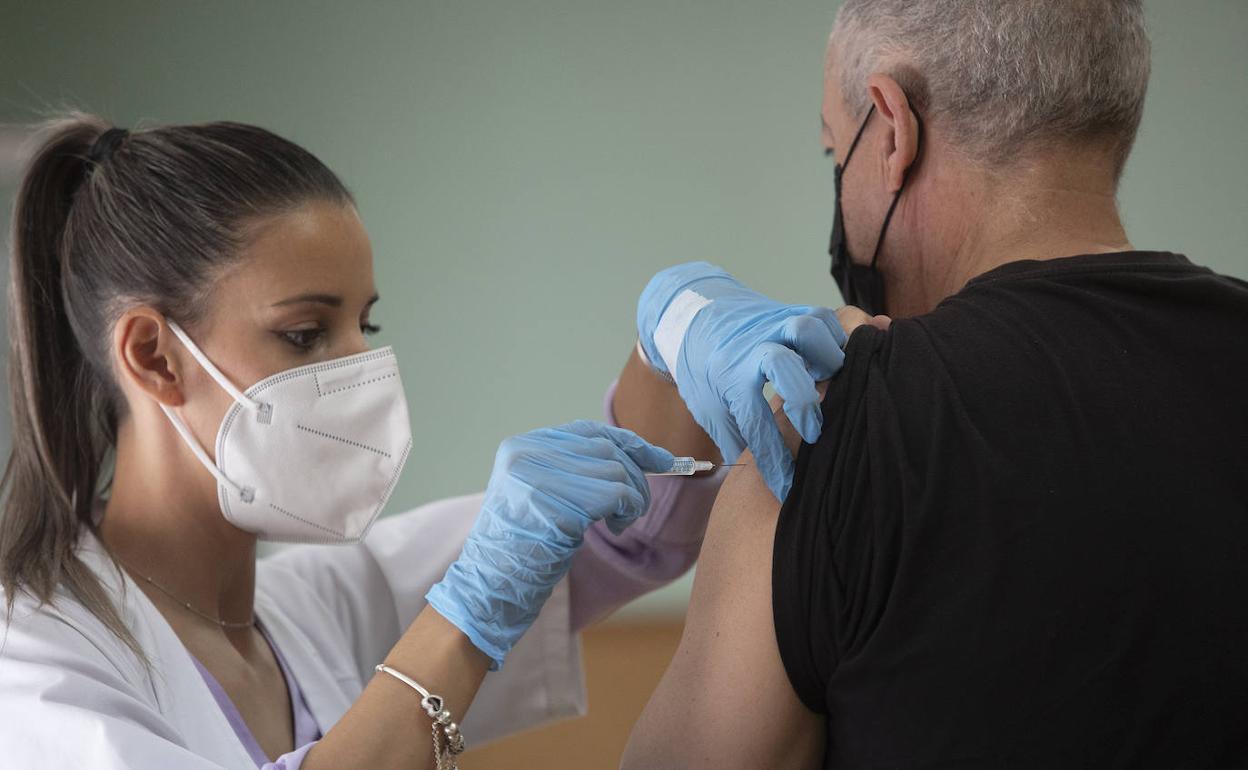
{"type": "Point", "coordinates": [687, 466]}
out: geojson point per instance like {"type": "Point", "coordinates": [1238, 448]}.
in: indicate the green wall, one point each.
{"type": "Point", "coordinates": [524, 166]}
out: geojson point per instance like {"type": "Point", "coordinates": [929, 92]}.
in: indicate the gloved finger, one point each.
{"type": "Point", "coordinates": [596, 439]}
{"type": "Point", "coordinates": [618, 454]}
{"type": "Point", "coordinates": [782, 480]}
{"type": "Point", "coordinates": [709, 408]}
{"type": "Point", "coordinates": [724, 432]}
{"type": "Point", "coordinates": [634, 475]}
{"type": "Point", "coordinates": [812, 338]}
{"type": "Point", "coordinates": [648, 457]}
{"type": "Point", "coordinates": [567, 467]}
{"type": "Point", "coordinates": [631, 504]}
{"type": "Point", "coordinates": [583, 428]}
{"type": "Point", "coordinates": [771, 455]}
{"type": "Point", "coordinates": [618, 525]}
{"type": "Point", "coordinates": [787, 373]}
{"type": "Point", "coordinates": [830, 317]}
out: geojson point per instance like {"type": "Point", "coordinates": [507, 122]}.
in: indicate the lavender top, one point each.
{"type": "Point", "coordinates": [307, 733]}
{"type": "Point", "coordinates": [608, 572]}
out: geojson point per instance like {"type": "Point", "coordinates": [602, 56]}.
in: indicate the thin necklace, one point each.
{"type": "Point", "coordinates": [187, 605]}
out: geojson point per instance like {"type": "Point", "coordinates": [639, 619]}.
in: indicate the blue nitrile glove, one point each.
{"type": "Point", "coordinates": [547, 488]}
{"type": "Point", "coordinates": [721, 341]}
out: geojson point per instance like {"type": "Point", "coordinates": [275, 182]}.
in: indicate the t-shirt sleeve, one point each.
{"type": "Point", "coordinates": [830, 550]}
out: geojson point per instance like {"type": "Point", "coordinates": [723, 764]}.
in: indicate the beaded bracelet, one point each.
{"type": "Point", "coordinates": [448, 741]}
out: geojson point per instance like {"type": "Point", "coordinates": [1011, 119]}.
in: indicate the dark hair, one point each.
{"type": "Point", "coordinates": [152, 220]}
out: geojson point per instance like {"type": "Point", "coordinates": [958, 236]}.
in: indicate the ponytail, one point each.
{"type": "Point", "coordinates": [147, 217]}
{"type": "Point", "coordinates": [62, 422]}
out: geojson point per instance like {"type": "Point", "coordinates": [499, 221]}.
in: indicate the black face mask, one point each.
{"type": "Point", "coordinates": [861, 285]}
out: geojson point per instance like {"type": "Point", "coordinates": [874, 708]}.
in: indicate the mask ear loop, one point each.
{"type": "Point", "coordinates": [212, 369]}
{"type": "Point", "coordinates": [896, 198]}
{"type": "Point", "coordinates": [246, 494]}
{"type": "Point", "coordinates": [858, 137]}
{"type": "Point", "coordinates": [840, 170]}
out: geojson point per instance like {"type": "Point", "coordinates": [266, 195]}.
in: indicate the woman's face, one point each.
{"type": "Point", "coordinates": [301, 292]}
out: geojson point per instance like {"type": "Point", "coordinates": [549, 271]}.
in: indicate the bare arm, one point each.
{"type": "Point", "coordinates": [386, 727]}
{"type": "Point", "coordinates": [725, 700]}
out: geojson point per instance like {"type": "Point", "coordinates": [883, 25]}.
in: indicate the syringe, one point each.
{"type": "Point", "coordinates": [687, 466]}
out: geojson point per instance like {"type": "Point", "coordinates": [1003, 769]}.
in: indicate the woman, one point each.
{"type": "Point", "coordinates": [189, 307]}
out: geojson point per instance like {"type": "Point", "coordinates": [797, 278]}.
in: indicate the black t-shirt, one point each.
{"type": "Point", "coordinates": [1022, 538]}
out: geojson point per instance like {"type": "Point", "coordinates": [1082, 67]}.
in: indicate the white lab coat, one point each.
{"type": "Point", "coordinates": [73, 696]}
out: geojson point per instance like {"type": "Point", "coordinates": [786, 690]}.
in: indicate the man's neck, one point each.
{"type": "Point", "coordinates": [1038, 215]}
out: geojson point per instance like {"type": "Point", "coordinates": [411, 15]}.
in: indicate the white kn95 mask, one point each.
{"type": "Point", "coordinates": [310, 454]}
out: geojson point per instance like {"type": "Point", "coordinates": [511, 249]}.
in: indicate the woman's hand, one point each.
{"type": "Point", "coordinates": [547, 488]}
{"type": "Point", "coordinates": [721, 342]}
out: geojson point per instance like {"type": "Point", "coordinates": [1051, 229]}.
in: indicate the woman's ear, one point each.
{"type": "Point", "coordinates": [894, 107]}
{"type": "Point", "coordinates": [147, 354]}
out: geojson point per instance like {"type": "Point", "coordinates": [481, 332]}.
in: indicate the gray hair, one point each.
{"type": "Point", "coordinates": [1004, 77]}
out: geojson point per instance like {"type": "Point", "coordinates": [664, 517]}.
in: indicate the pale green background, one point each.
{"type": "Point", "coordinates": [524, 166]}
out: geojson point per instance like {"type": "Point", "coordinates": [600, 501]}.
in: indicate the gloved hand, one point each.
{"type": "Point", "coordinates": [721, 341]}
{"type": "Point", "coordinates": [547, 488]}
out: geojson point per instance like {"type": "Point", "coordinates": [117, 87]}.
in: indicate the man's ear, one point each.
{"type": "Point", "coordinates": [894, 107]}
{"type": "Point", "coordinates": [148, 355]}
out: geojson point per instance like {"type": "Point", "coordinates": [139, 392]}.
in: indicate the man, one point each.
{"type": "Point", "coordinates": [1021, 538]}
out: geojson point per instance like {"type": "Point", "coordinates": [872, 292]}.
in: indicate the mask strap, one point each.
{"type": "Point", "coordinates": [884, 227]}
{"type": "Point", "coordinates": [857, 137]}
{"type": "Point", "coordinates": [896, 198]}
{"type": "Point", "coordinates": [212, 369]}
{"type": "Point", "coordinates": [246, 494]}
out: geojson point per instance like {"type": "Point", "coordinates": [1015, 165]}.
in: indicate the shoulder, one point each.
{"type": "Point", "coordinates": [62, 633]}
{"type": "Point", "coordinates": [967, 355]}
{"type": "Point", "coordinates": [73, 694]}
{"type": "Point", "coordinates": [44, 645]}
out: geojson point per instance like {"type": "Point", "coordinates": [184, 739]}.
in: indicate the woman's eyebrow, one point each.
{"type": "Point", "coordinates": [333, 300]}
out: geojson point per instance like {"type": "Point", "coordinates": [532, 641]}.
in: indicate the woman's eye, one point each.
{"type": "Point", "coordinates": [303, 339]}
{"type": "Point", "coordinates": [369, 329]}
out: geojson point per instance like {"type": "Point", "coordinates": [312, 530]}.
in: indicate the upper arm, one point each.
{"type": "Point", "coordinates": [725, 700]}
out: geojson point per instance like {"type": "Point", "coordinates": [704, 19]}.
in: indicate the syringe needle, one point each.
{"type": "Point", "coordinates": [687, 466]}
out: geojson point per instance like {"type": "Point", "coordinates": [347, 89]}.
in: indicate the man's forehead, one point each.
{"type": "Point", "coordinates": [831, 78]}
{"type": "Point", "coordinates": [832, 105]}
{"type": "Point", "coordinates": [829, 55]}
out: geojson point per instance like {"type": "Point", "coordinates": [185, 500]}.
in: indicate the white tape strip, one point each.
{"type": "Point", "coordinates": [669, 335]}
